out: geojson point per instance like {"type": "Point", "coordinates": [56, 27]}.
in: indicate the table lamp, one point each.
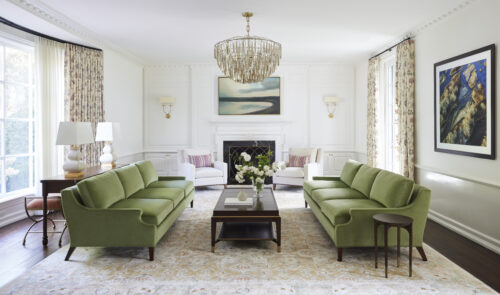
{"type": "Point", "coordinates": [74, 134]}
{"type": "Point", "coordinates": [107, 132]}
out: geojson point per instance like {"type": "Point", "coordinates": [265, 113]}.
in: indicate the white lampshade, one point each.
{"type": "Point", "coordinates": [107, 131]}
{"type": "Point", "coordinates": [167, 100]}
{"type": "Point", "coordinates": [74, 133]}
{"type": "Point", "coordinates": [331, 99]}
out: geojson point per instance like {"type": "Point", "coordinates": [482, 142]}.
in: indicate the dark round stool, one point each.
{"type": "Point", "coordinates": [388, 220]}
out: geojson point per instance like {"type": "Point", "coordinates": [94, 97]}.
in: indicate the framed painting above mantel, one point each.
{"type": "Point", "coordinates": [260, 98]}
{"type": "Point", "coordinates": [464, 104]}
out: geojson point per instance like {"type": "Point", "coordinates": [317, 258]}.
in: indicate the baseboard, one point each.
{"type": "Point", "coordinates": [468, 232]}
{"type": "Point", "coordinates": [11, 211]}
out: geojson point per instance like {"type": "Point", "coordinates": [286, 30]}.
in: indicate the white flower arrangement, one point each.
{"type": "Point", "coordinates": [255, 172]}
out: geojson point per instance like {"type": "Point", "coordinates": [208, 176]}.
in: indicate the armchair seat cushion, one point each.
{"type": "Point", "coordinates": [294, 172]}
{"type": "Point", "coordinates": [173, 194]}
{"type": "Point", "coordinates": [154, 211]}
{"type": "Point", "coordinates": [337, 211]}
{"type": "Point", "coordinates": [311, 185]}
{"type": "Point", "coordinates": [186, 185]}
{"type": "Point", "coordinates": [208, 172]}
{"type": "Point", "coordinates": [325, 194]}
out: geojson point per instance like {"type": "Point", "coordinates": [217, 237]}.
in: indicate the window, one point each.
{"type": "Point", "coordinates": [17, 117]}
{"type": "Point", "coordinates": [388, 156]}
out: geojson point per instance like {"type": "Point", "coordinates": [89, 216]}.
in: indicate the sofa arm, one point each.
{"type": "Point", "coordinates": [187, 170]}
{"type": "Point", "coordinates": [223, 167]}
{"type": "Point", "coordinates": [330, 178]}
{"type": "Point", "coordinates": [311, 170]}
{"type": "Point", "coordinates": [110, 227]}
{"type": "Point", "coordinates": [167, 178]}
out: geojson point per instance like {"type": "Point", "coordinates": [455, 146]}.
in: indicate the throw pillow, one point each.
{"type": "Point", "coordinates": [298, 161]}
{"type": "Point", "coordinates": [200, 160]}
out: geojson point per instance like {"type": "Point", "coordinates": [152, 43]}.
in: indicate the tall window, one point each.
{"type": "Point", "coordinates": [17, 116]}
{"type": "Point", "coordinates": [388, 156]}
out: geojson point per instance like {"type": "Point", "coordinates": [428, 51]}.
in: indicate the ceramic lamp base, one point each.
{"type": "Point", "coordinates": [108, 166]}
{"type": "Point", "coordinates": [73, 175]}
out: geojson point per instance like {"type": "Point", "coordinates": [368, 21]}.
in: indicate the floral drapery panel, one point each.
{"type": "Point", "coordinates": [371, 143]}
{"type": "Point", "coordinates": [84, 93]}
{"type": "Point", "coordinates": [405, 106]}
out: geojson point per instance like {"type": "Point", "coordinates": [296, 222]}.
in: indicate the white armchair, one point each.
{"type": "Point", "coordinates": [297, 175]}
{"type": "Point", "coordinates": [216, 174]}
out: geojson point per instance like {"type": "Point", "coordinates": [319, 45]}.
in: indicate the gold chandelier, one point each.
{"type": "Point", "coordinates": [247, 59]}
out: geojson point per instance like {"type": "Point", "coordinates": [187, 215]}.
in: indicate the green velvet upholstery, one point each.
{"type": "Point", "coordinates": [148, 172]}
{"type": "Point", "coordinates": [337, 211]}
{"type": "Point", "coordinates": [350, 169]}
{"type": "Point", "coordinates": [154, 211]}
{"type": "Point", "coordinates": [311, 185]}
{"type": "Point", "coordinates": [186, 185]}
{"type": "Point", "coordinates": [391, 190]}
{"type": "Point", "coordinates": [364, 179]}
{"type": "Point", "coordinates": [101, 191]}
{"type": "Point", "coordinates": [173, 194]}
{"type": "Point", "coordinates": [131, 179]}
{"type": "Point", "coordinates": [321, 195]}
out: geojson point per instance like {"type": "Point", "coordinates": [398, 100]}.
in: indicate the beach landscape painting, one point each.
{"type": "Point", "coordinates": [260, 98]}
{"type": "Point", "coordinates": [464, 104]}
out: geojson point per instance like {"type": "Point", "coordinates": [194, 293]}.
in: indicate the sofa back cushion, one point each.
{"type": "Point", "coordinates": [350, 169]}
{"type": "Point", "coordinates": [131, 179]}
{"type": "Point", "coordinates": [364, 179]}
{"type": "Point", "coordinates": [391, 190]}
{"type": "Point", "coordinates": [148, 172]}
{"type": "Point", "coordinates": [101, 191]}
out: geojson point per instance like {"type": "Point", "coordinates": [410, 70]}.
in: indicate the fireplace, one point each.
{"type": "Point", "coordinates": [233, 149]}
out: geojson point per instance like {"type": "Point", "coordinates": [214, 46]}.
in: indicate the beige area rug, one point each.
{"type": "Point", "coordinates": [185, 265]}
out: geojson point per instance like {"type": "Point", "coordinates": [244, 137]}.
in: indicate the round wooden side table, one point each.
{"type": "Point", "coordinates": [389, 220]}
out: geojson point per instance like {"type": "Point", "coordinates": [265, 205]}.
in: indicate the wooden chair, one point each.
{"type": "Point", "coordinates": [33, 204]}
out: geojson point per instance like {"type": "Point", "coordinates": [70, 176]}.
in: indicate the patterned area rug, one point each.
{"type": "Point", "coordinates": [185, 265]}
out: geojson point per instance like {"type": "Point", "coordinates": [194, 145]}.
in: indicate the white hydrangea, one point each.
{"type": "Point", "coordinates": [269, 173]}
{"type": "Point", "coordinates": [239, 178]}
{"type": "Point", "coordinates": [266, 168]}
{"type": "Point", "coordinates": [246, 157]}
{"type": "Point", "coordinates": [275, 166]}
{"type": "Point", "coordinates": [238, 167]}
{"type": "Point", "coordinates": [259, 180]}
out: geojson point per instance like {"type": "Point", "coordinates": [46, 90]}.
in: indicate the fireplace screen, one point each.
{"type": "Point", "coordinates": [233, 149]}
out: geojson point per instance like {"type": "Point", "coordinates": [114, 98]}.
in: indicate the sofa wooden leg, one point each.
{"type": "Point", "coordinates": [192, 202]}
{"type": "Point", "coordinates": [225, 186]}
{"type": "Point", "coordinates": [274, 187]}
{"type": "Point", "coordinates": [305, 203]}
{"type": "Point", "coordinates": [70, 251]}
{"type": "Point", "coordinates": [422, 253]}
{"type": "Point", "coordinates": [151, 253]}
{"type": "Point", "coordinates": [339, 254]}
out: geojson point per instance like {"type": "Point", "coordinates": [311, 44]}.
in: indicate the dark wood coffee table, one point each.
{"type": "Point", "coordinates": [247, 223]}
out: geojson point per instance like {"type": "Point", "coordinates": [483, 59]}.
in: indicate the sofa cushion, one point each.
{"type": "Point", "coordinates": [363, 180]}
{"type": "Point", "coordinates": [186, 185]}
{"type": "Point", "coordinates": [337, 211]}
{"type": "Point", "coordinates": [131, 179]}
{"type": "Point", "coordinates": [311, 185]}
{"type": "Point", "coordinates": [349, 171]}
{"type": "Point", "coordinates": [321, 195]}
{"type": "Point", "coordinates": [200, 160]}
{"type": "Point", "coordinates": [175, 195]}
{"type": "Point", "coordinates": [391, 189]}
{"type": "Point", "coordinates": [298, 161]}
{"type": "Point", "coordinates": [208, 172]}
{"type": "Point", "coordinates": [148, 172]}
{"type": "Point", "coordinates": [101, 191]}
{"type": "Point", "coordinates": [294, 172]}
{"type": "Point", "coordinates": [154, 211]}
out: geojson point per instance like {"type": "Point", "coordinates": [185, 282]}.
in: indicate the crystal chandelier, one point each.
{"type": "Point", "coordinates": [247, 59]}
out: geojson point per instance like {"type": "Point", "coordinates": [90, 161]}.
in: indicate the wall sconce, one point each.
{"type": "Point", "coordinates": [167, 102]}
{"type": "Point", "coordinates": [331, 104]}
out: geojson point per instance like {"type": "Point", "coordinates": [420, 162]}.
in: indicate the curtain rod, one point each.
{"type": "Point", "coordinates": [24, 29]}
{"type": "Point", "coordinates": [390, 48]}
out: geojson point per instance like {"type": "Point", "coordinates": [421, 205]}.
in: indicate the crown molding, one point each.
{"type": "Point", "coordinates": [47, 13]}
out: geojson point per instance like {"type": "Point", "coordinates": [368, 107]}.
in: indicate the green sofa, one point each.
{"type": "Point", "coordinates": [345, 205]}
{"type": "Point", "coordinates": [127, 207]}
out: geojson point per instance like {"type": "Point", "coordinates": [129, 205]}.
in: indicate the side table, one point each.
{"type": "Point", "coordinates": [399, 221]}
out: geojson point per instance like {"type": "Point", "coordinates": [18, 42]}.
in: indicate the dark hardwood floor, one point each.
{"type": "Point", "coordinates": [16, 259]}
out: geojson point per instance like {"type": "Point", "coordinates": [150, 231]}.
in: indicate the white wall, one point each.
{"type": "Point", "coordinates": [123, 102]}
{"type": "Point", "coordinates": [194, 123]}
{"type": "Point", "coordinates": [361, 107]}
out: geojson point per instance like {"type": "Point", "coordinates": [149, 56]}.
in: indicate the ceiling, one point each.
{"type": "Point", "coordinates": [160, 32]}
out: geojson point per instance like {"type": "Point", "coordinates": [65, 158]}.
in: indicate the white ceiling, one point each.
{"type": "Point", "coordinates": [184, 31]}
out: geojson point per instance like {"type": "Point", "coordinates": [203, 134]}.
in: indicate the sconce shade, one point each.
{"type": "Point", "coordinates": [167, 100]}
{"type": "Point", "coordinates": [74, 133]}
{"type": "Point", "coordinates": [331, 99]}
{"type": "Point", "coordinates": [107, 131]}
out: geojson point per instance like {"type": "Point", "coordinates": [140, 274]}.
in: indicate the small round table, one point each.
{"type": "Point", "coordinates": [398, 221]}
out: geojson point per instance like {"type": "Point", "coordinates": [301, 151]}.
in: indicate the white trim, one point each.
{"type": "Point", "coordinates": [468, 232]}
{"type": "Point", "coordinates": [8, 215]}
{"type": "Point", "coordinates": [495, 184]}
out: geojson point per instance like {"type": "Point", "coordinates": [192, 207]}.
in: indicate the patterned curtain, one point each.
{"type": "Point", "coordinates": [83, 99]}
{"type": "Point", "coordinates": [405, 106]}
{"type": "Point", "coordinates": [371, 143]}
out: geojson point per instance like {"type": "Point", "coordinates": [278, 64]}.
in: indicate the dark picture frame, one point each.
{"type": "Point", "coordinates": [464, 104]}
{"type": "Point", "coordinates": [259, 98]}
